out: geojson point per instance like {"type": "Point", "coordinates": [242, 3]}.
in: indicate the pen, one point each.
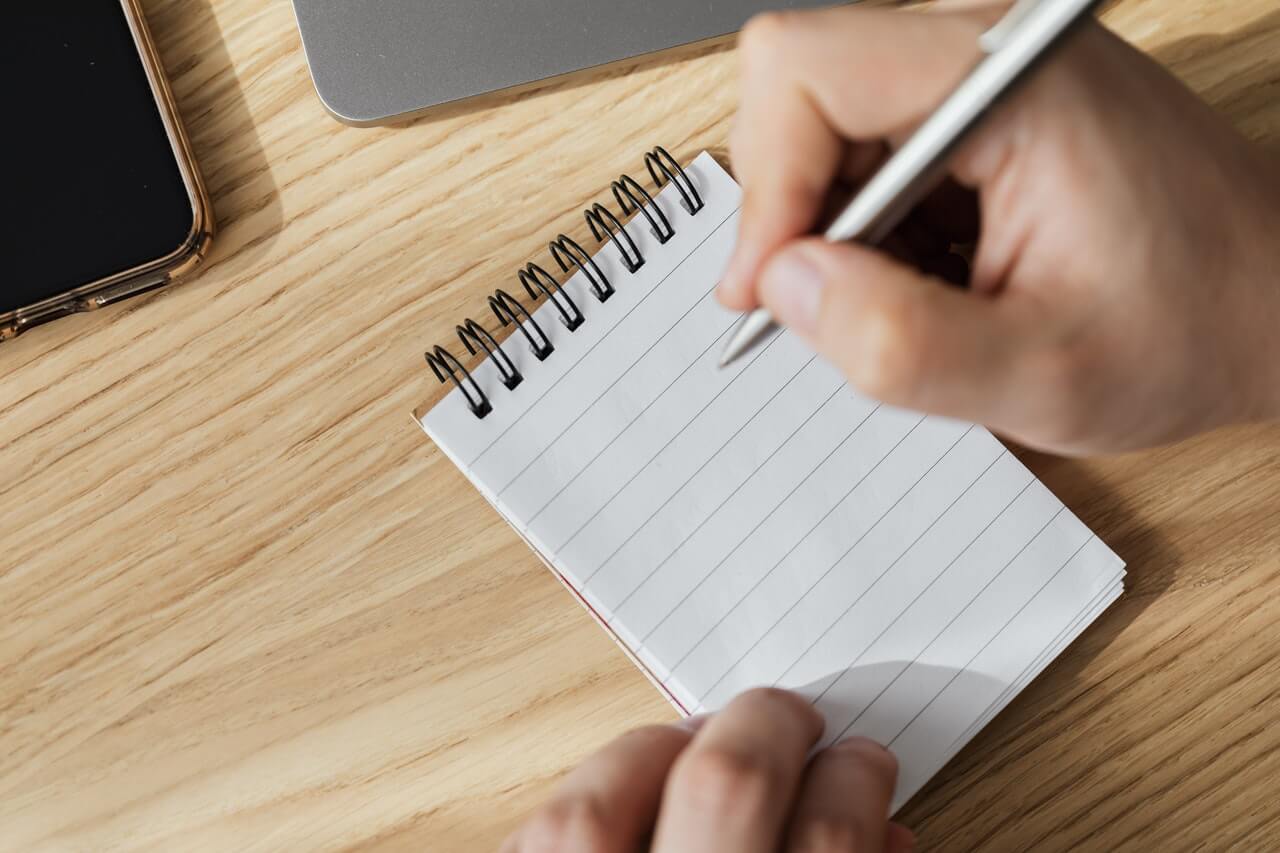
{"type": "Point", "coordinates": [1025, 34]}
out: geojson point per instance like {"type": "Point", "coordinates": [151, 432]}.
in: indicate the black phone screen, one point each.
{"type": "Point", "coordinates": [92, 181]}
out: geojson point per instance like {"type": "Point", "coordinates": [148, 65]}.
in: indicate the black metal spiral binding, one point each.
{"type": "Point", "coordinates": [624, 192]}
{"type": "Point", "coordinates": [597, 216]}
{"type": "Point", "coordinates": [564, 247]}
{"type": "Point", "coordinates": [509, 310]}
{"type": "Point", "coordinates": [474, 335]}
{"type": "Point", "coordinates": [442, 362]}
{"type": "Point", "coordinates": [535, 278]}
{"type": "Point", "coordinates": [659, 160]}
{"type": "Point", "coordinates": [631, 198]}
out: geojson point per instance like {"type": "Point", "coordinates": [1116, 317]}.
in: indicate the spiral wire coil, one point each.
{"type": "Point", "coordinates": [632, 200]}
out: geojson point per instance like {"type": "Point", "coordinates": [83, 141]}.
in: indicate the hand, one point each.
{"type": "Point", "coordinates": [739, 783]}
{"type": "Point", "coordinates": [1125, 289]}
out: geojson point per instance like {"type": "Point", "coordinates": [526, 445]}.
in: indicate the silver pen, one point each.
{"type": "Point", "coordinates": [1025, 33]}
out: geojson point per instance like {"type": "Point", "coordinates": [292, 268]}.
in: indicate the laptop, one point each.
{"type": "Point", "coordinates": [384, 61]}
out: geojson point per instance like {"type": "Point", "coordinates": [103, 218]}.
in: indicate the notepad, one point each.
{"type": "Point", "coordinates": [765, 524]}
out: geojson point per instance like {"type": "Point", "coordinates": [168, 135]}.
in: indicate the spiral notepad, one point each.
{"type": "Point", "coordinates": [761, 524]}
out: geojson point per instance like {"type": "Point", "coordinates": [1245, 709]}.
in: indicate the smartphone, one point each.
{"type": "Point", "coordinates": [105, 199]}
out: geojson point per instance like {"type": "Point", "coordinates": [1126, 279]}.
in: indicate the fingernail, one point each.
{"type": "Point", "coordinates": [792, 288]}
{"type": "Point", "coordinates": [693, 722]}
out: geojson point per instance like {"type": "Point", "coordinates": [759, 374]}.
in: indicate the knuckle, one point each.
{"type": "Point", "coordinates": [573, 824]}
{"type": "Point", "coordinates": [886, 361]}
{"type": "Point", "coordinates": [781, 702]}
{"type": "Point", "coordinates": [654, 736]}
{"type": "Point", "coordinates": [830, 835]}
{"type": "Point", "coordinates": [764, 35]}
{"type": "Point", "coordinates": [886, 761]}
{"type": "Point", "coordinates": [722, 781]}
{"type": "Point", "coordinates": [869, 753]}
{"type": "Point", "coordinates": [791, 197]}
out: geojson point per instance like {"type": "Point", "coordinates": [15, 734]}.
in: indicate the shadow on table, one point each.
{"type": "Point", "coordinates": [228, 150]}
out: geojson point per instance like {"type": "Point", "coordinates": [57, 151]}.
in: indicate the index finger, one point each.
{"type": "Point", "coordinates": [732, 788]}
{"type": "Point", "coordinates": [811, 82]}
{"type": "Point", "coordinates": [845, 801]}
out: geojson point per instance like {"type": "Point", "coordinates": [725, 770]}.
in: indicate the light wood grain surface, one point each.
{"type": "Point", "coordinates": [246, 605]}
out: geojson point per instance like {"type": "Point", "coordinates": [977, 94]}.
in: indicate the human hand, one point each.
{"type": "Point", "coordinates": [738, 783]}
{"type": "Point", "coordinates": [1125, 289]}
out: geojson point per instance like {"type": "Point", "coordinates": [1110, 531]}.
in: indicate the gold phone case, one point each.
{"type": "Point", "coordinates": [160, 271]}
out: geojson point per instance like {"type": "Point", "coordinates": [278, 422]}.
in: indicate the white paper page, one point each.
{"type": "Point", "coordinates": [763, 524]}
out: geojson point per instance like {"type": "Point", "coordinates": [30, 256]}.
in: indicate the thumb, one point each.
{"type": "Point", "coordinates": [898, 335]}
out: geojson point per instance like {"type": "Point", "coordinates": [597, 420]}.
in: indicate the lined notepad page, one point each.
{"type": "Point", "coordinates": [764, 524]}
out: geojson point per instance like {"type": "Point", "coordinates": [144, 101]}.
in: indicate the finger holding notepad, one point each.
{"type": "Point", "coordinates": [1123, 287]}
{"type": "Point", "coordinates": [739, 781]}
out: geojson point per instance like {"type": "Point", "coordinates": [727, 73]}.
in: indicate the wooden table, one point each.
{"type": "Point", "coordinates": [246, 605]}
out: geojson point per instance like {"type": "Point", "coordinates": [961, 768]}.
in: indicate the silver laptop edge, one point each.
{"type": "Point", "coordinates": [383, 61]}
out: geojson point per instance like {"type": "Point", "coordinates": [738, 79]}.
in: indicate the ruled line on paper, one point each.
{"type": "Point", "coordinates": [914, 542]}
{"type": "Point", "coordinates": [627, 372]}
{"type": "Point", "coordinates": [636, 419]}
{"type": "Point", "coordinates": [760, 351]}
{"type": "Point", "coordinates": [985, 645]}
{"type": "Point", "coordinates": [711, 458]}
{"type": "Point", "coordinates": [1101, 602]}
{"type": "Point", "coordinates": [860, 538]}
{"type": "Point", "coordinates": [806, 535]}
{"type": "Point", "coordinates": [926, 589]}
{"type": "Point", "coordinates": [816, 467]}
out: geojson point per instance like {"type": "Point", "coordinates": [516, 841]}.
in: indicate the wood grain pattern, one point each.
{"type": "Point", "coordinates": [248, 606]}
